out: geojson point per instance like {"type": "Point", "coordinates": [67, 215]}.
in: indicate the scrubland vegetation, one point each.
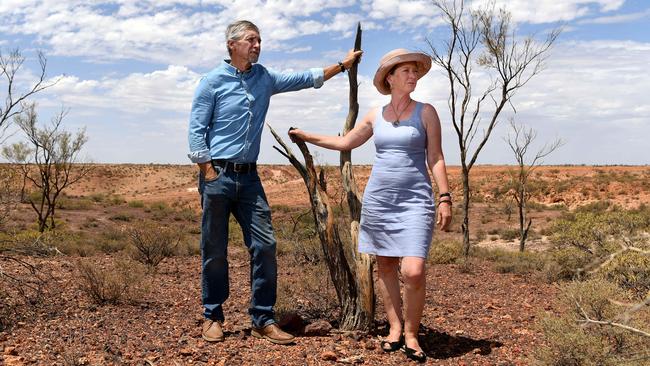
{"type": "Point", "coordinates": [596, 254]}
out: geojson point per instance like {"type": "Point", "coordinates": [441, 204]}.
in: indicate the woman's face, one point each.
{"type": "Point", "coordinates": [404, 77]}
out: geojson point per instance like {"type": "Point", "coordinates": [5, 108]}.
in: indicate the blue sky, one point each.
{"type": "Point", "coordinates": [128, 70]}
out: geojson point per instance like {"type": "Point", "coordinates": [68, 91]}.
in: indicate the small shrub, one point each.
{"type": "Point", "coordinates": [569, 341]}
{"type": "Point", "coordinates": [160, 206]}
{"type": "Point", "coordinates": [67, 203]}
{"type": "Point", "coordinates": [122, 217]}
{"type": "Point", "coordinates": [594, 207]}
{"type": "Point", "coordinates": [445, 251]}
{"type": "Point", "coordinates": [90, 222]}
{"type": "Point", "coordinates": [185, 214]}
{"type": "Point", "coordinates": [568, 344]}
{"type": "Point", "coordinates": [301, 250]}
{"type": "Point", "coordinates": [509, 234]}
{"type": "Point", "coordinates": [536, 206]}
{"type": "Point", "coordinates": [506, 261]}
{"type": "Point", "coordinates": [81, 247]}
{"type": "Point", "coordinates": [122, 281]}
{"type": "Point", "coordinates": [97, 197]}
{"type": "Point", "coordinates": [112, 239]}
{"type": "Point", "coordinates": [480, 235]}
{"type": "Point", "coordinates": [630, 271]}
{"type": "Point", "coordinates": [136, 204]}
{"type": "Point", "coordinates": [151, 243]}
{"type": "Point", "coordinates": [564, 263]}
{"type": "Point", "coordinates": [313, 296]}
{"type": "Point", "coordinates": [32, 242]}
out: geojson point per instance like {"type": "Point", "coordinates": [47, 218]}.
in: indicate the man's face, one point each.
{"type": "Point", "coordinates": [248, 47]}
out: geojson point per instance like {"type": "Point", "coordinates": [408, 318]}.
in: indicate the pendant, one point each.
{"type": "Point", "coordinates": [395, 123]}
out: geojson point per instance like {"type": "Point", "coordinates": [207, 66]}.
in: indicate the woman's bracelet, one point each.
{"type": "Point", "coordinates": [445, 201]}
{"type": "Point", "coordinates": [446, 194]}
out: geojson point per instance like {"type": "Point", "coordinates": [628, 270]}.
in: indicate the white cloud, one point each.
{"type": "Point", "coordinates": [168, 32]}
{"type": "Point", "coordinates": [614, 19]}
{"type": "Point", "coordinates": [592, 93]}
{"type": "Point", "coordinates": [403, 15]}
{"type": "Point", "coordinates": [168, 90]}
{"type": "Point", "coordinates": [547, 11]}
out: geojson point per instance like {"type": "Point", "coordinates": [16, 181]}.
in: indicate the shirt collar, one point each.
{"type": "Point", "coordinates": [233, 70]}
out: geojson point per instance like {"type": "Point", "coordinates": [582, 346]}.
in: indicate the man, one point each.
{"type": "Point", "coordinates": [226, 123]}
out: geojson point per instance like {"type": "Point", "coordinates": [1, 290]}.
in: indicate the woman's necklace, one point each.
{"type": "Point", "coordinates": [396, 122]}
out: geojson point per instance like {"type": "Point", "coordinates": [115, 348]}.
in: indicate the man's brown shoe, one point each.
{"type": "Point", "coordinates": [273, 333]}
{"type": "Point", "coordinates": [212, 331]}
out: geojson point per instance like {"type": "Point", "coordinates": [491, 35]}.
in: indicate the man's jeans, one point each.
{"type": "Point", "coordinates": [243, 196]}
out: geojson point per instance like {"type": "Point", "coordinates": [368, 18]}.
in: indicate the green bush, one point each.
{"type": "Point", "coordinates": [106, 199]}
{"type": "Point", "coordinates": [33, 242]}
{"type": "Point", "coordinates": [507, 261]}
{"type": "Point", "coordinates": [581, 230]}
{"type": "Point", "coordinates": [509, 234]}
{"type": "Point", "coordinates": [122, 216]}
{"type": "Point", "coordinates": [570, 345]}
{"type": "Point", "coordinates": [136, 204]}
{"type": "Point", "coordinates": [570, 341]}
{"type": "Point", "coordinates": [445, 251]}
{"type": "Point", "coordinates": [630, 271]}
{"type": "Point", "coordinates": [67, 203]}
{"type": "Point", "coordinates": [565, 263]}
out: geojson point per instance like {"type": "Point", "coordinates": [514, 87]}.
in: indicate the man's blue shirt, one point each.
{"type": "Point", "coordinates": [230, 106]}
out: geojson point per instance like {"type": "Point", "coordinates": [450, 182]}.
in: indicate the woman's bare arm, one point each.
{"type": "Point", "coordinates": [361, 132]}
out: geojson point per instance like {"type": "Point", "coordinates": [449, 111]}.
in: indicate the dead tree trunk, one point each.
{"type": "Point", "coordinates": [353, 283]}
{"type": "Point", "coordinates": [363, 262]}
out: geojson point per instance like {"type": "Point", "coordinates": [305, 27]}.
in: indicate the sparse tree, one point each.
{"type": "Point", "coordinates": [352, 281]}
{"type": "Point", "coordinates": [483, 37]}
{"type": "Point", "coordinates": [520, 142]}
{"type": "Point", "coordinates": [54, 154]}
{"type": "Point", "coordinates": [15, 101]}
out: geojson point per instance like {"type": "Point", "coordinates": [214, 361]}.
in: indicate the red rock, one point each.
{"type": "Point", "coordinates": [328, 356]}
{"type": "Point", "coordinates": [318, 328]}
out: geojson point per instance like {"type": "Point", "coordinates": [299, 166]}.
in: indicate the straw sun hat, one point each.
{"type": "Point", "coordinates": [395, 57]}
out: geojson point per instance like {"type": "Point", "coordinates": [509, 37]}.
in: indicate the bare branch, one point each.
{"type": "Point", "coordinates": [601, 263]}
{"type": "Point", "coordinates": [587, 320]}
{"type": "Point", "coordinates": [15, 101]}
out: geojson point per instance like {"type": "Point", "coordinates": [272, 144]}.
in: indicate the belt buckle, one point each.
{"type": "Point", "coordinates": [238, 168]}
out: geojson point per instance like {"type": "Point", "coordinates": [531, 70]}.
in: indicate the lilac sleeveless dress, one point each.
{"type": "Point", "coordinates": [398, 214]}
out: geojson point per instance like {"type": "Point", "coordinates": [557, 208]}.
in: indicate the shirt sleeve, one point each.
{"type": "Point", "coordinates": [200, 117]}
{"type": "Point", "coordinates": [285, 82]}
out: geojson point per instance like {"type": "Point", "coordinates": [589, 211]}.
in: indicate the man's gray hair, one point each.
{"type": "Point", "coordinates": [235, 31]}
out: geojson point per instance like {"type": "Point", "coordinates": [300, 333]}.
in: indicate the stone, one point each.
{"type": "Point", "coordinates": [186, 352]}
{"type": "Point", "coordinates": [291, 322]}
{"type": "Point", "coordinates": [328, 356]}
{"type": "Point", "coordinates": [318, 328]}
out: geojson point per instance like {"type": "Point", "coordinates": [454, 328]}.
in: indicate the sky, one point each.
{"type": "Point", "coordinates": [126, 70]}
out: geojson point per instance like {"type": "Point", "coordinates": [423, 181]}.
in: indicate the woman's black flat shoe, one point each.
{"type": "Point", "coordinates": [415, 355]}
{"type": "Point", "coordinates": [389, 347]}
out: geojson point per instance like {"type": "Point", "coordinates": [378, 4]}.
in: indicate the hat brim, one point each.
{"type": "Point", "coordinates": [423, 61]}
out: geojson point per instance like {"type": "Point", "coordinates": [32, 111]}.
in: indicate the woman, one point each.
{"type": "Point", "coordinates": [398, 204]}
